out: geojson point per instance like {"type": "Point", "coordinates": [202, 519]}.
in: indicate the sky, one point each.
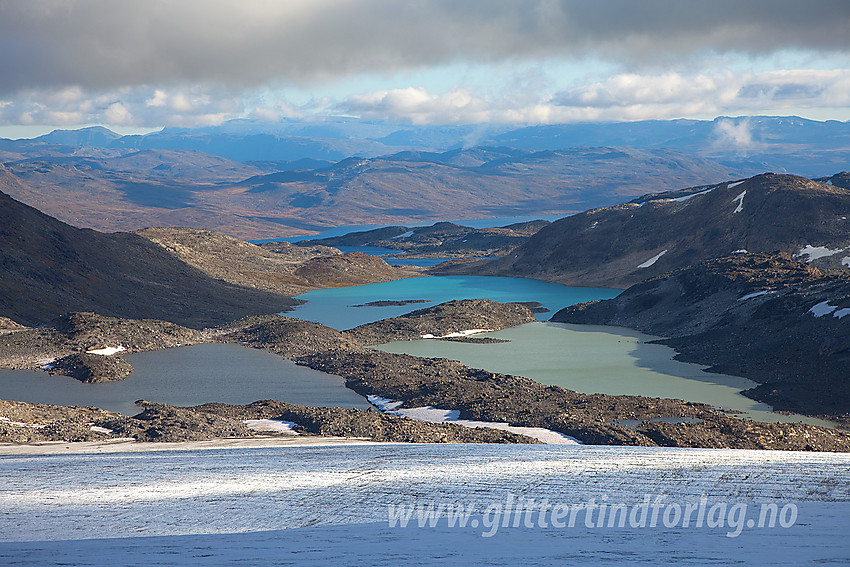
{"type": "Point", "coordinates": [142, 65]}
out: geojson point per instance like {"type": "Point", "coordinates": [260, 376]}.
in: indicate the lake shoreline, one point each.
{"type": "Point", "coordinates": [485, 396]}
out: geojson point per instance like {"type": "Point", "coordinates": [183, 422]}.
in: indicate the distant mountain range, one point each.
{"type": "Point", "coordinates": [187, 188]}
{"type": "Point", "coordinates": [625, 244]}
{"type": "Point", "coordinates": [257, 180]}
{"type": "Point", "coordinates": [780, 144]}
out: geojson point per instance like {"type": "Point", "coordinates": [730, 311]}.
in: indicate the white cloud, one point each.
{"type": "Point", "coordinates": [625, 96]}
{"type": "Point", "coordinates": [103, 44]}
{"type": "Point", "coordinates": [116, 113]}
{"type": "Point", "coordinates": [621, 97]}
{"type": "Point", "coordinates": [735, 134]}
{"type": "Point", "coordinates": [159, 98]}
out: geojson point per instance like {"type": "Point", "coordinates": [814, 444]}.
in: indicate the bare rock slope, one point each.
{"type": "Point", "coordinates": [625, 244]}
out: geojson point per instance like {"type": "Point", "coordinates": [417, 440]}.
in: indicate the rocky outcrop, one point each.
{"type": "Point", "coordinates": [91, 367]}
{"type": "Point", "coordinates": [277, 267]}
{"type": "Point", "coordinates": [64, 349]}
{"type": "Point", "coordinates": [622, 245]}
{"type": "Point", "coordinates": [595, 419]}
{"type": "Point", "coordinates": [354, 268]}
{"type": "Point", "coordinates": [442, 239]}
{"type": "Point", "coordinates": [266, 267]}
{"type": "Point", "coordinates": [9, 326]}
{"type": "Point", "coordinates": [92, 331]}
{"type": "Point", "coordinates": [447, 318]}
{"type": "Point", "coordinates": [769, 318]}
{"type": "Point", "coordinates": [287, 337]}
{"type": "Point", "coordinates": [376, 426]}
{"type": "Point", "coordinates": [28, 423]}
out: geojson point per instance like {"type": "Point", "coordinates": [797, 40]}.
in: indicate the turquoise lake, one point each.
{"type": "Point", "coordinates": [584, 358]}
{"type": "Point", "coordinates": [334, 307]}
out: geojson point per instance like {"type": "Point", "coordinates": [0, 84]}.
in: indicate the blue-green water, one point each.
{"type": "Point", "coordinates": [188, 376]}
{"type": "Point", "coordinates": [604, 360]}
{"type": "Point", "coordinates": [333, 307]}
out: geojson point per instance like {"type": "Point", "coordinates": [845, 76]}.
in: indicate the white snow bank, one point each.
{"type": "Point", "coordinates": [407, 234]}
{"type": "Point", "coordinates": [845, 261]}
{"type": "Point", "coordinates": [273, 425]}
{"type": "Point", "coordinates": [383, 404]}
{"type": "Point", "coordinates": [685, 198]}
{"type": "Point", "coordinates": [98, 429]}
{"type": "Point", "coordinates": [841, 313]}
{"type": "Point", "coordinates": [740, 251]}
{"type": "Point", "coordinates": [740, 199]}
{"type": "Point", "coordinates": [652, 260]}
{"type": "Point", "coordinates": [21, 423]}
{"type": "Point", "coordinates": [458, 334]}
{"type": "Point", "coordinates": [815, 252]}
{"type": "Point", "coordinates": [822, 308]}
{"type": "Point", "coordinates": [437, 415]}
{"type": "Point", "coordinates": [734, 184]}
{"type": "Point", "coordinates": [756, 294]}
{"type": "Point", "coordinates": [107, 351]}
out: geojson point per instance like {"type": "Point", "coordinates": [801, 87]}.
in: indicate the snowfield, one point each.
{"type": "Point", "coordinates": [652, 260]}
{"type": "Point", "coordinates": [331, 504]}
{"type": "Point", "coordinates": [106, 351]}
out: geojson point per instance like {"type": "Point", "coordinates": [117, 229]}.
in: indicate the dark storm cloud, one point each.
{"type": "Point", "coordinates": [102, 44]}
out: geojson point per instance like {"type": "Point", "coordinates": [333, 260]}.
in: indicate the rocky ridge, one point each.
{"type": "Point", "coordinates": [440, 240]}
{"type": "Point", "coordinates": [31, 423]}
{"type": "Point", "coordinates": [276, 267]}
{"type": "Point", "coordinates": [50, 268]}
{"type": "Point", "coordinates": [595, 419]}
{"type": "Point", "coordinates": [451, 318]}
{"type": "Point", "coordinates": [625, 244]}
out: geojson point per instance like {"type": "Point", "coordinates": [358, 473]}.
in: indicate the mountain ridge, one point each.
{"type": "Point", "coordinates": [625, 244]}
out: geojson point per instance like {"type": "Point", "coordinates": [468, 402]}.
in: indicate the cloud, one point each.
{"type": "Point", "coordinates": [673, 95]}
{"type": "Point", "coordinates": [621, 97]}
{"type": "Point", "coordinates": [104, 44]}
{"type": "Point", "coordinates": [734, 134]}
{"type": "Point", "coordinates": [139, 107]}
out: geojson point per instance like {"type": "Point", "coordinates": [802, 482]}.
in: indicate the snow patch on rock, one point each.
{"type": "Point", "coordinates": [740, 200]}
{"type": "Point", "coordinates": [458, 334]}
{"type": "Point", "coordinates": [383, 404]}
{"type": "Point", "coordinates": [756, 294]}
{"type": "Point", "coordinates": [822, 308]}
{"type": "Point", "coordinates": [271, 425]}
{"type": "Point", "coordinates": [652, 260]}
{"type": "Point", "coordinates": [815, 252]}
{"type": "Point", "coordinates": [106, 351]}
{"type": "Point", "coordinates": [437, 415]}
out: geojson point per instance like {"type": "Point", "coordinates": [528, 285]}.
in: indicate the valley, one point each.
{"type": "Point", "coordinates": [773, 241]}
